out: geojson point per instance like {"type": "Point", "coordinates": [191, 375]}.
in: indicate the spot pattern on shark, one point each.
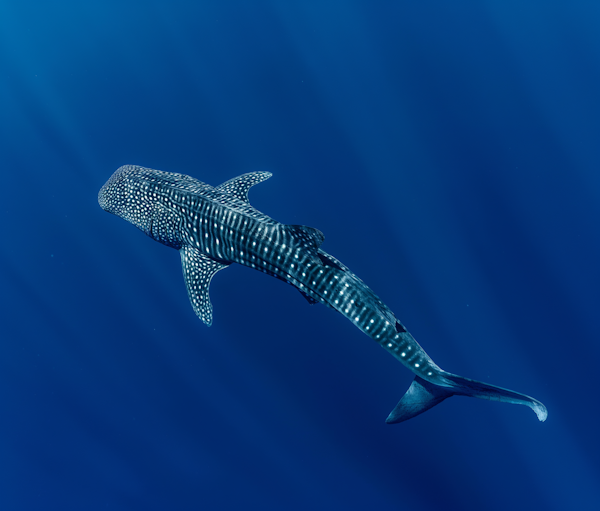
{"type": "Point", "coordinates": [213, 227]}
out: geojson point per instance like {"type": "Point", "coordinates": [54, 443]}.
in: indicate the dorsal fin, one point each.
{"type": "Point", "coordinates": [238, 186]}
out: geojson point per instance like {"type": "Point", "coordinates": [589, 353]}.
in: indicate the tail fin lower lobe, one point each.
{"type": "Point", "coordinates": [423, 395]}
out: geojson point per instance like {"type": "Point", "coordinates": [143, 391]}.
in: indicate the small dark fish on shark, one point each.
{"type": "Point", "coordinates": [213, 227]}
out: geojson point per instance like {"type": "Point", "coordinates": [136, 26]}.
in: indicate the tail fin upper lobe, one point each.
{"type": "Point", "coordinates": [423, 395]}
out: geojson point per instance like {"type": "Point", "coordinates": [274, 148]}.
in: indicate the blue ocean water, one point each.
{"type": "Point", "coordinates": [450, 152]}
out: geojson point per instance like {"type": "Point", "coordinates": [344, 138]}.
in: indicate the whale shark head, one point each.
{"type": "Point", "coordinates": [125, 195]}
{"type": "Point", "coordinates": [155, 202]}
{"type": "Point", "coordinates": [111, 195]}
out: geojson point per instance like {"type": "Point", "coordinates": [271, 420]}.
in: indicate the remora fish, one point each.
{"type": "Point", "coordinates": [213, 227]}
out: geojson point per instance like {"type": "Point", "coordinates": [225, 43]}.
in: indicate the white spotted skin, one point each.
{"type": "Point", "coordinates": [219, 223]}
{"type": "Point", "coordinates": [213, 227]}
{"type": "Point", "coordinates": [343, 291]}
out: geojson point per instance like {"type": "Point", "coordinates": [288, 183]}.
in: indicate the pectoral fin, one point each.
{"type": "Point", "coordinates": [198, 270]}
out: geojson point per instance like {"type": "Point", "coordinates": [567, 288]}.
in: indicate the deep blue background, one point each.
{"type": "Point", "coordinates": [450, 152]}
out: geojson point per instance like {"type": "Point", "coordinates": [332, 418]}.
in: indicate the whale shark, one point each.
{"type": "Point", "coordinates": [214, 227]}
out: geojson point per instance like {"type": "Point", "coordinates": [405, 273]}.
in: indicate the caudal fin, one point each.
{"type": "Point", "coordinates": [423, 395]}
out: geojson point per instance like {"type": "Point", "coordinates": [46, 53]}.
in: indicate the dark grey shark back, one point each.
{"type": "Point", "coordinates": [213, 227]}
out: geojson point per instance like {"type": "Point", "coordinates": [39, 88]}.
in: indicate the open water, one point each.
{"type": "Point", "coordinates": [450, 153]}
